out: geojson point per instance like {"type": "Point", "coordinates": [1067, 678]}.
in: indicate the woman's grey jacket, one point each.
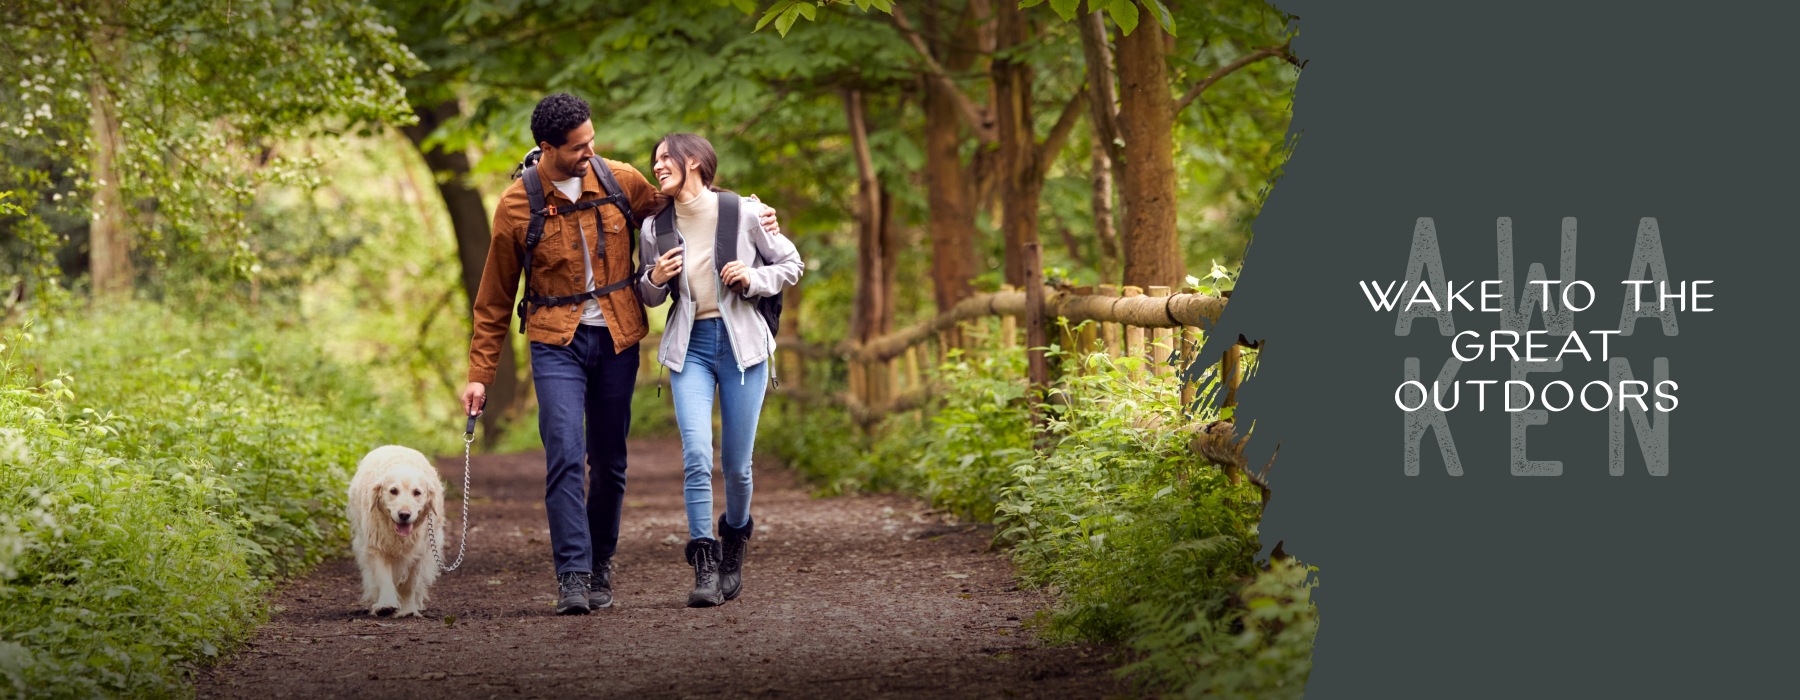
{"type": "Point", "coordinates": [774, 264]}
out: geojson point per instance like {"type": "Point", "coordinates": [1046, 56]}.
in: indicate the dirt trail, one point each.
{"type": "Point", "coordinates": [843, 597]}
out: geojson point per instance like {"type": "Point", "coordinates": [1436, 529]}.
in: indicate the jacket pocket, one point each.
{"type": "Point", "coordinates": [543, 320]}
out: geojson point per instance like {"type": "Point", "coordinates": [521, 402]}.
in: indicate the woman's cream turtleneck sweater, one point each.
{"type": "Point", "coordinates": [698, 219]}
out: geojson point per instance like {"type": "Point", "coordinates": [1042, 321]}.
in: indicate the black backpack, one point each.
{"type": "Point", "coordinates": [724, 252]}
{"type": "Point", "coordinates": [534, 193]}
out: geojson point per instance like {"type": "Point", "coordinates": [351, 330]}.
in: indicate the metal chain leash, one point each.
{"type": "Point", "coordinates": [462, 544]}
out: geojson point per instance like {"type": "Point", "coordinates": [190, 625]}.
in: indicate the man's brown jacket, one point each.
{"type": "Point", "coordinates": [556, 268]}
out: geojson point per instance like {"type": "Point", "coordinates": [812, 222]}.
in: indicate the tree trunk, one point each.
{"type": "Point", "coordinates": [865, 315]}
{"type": "Point", "coordinates": [468, 214]}
{"type": "Point", "coordinates": [1102, 204]}
{"type": "Point", "coordinates": [1021, 180]}
{"type": "Point", "coordinates": [470, 223]}
{"type": "Point", "coordinates": [109, 243]}
{"type": "Point", "coordinates": [1147, 122]}
{"type": "Point", "coordinates": [872, 314]}
{"type": "Point", "coordinates": [1103, 116]}
{"type": "Point", "coordinates": [949, 185]}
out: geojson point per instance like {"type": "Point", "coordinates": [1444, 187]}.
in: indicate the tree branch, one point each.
{"type": "Point", "coordinates": [1103, 97]}
{"type": "Point", "coordinates": [1059, 133]}
{"type": "Point", "coordinates": [1193, 93]}
{"type": "Point", "coordinates": [977, 117]}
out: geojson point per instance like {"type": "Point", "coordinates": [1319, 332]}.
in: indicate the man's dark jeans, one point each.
{"type": "Point", "coordinates": [584, 379]}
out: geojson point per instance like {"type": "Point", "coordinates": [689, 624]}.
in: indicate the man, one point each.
{"type": "Point", "coordinates": [584, 323]}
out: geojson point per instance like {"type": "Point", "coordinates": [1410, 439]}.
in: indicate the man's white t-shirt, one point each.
{"type": "Point", "coordinates": [590, 310]}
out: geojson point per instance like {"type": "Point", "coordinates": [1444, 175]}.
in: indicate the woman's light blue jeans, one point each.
{"type": "Point", "coordinates": [711, 365]}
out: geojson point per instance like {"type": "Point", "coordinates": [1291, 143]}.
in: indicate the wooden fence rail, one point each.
{"type": "Point", "coordinates": [885, 375]}
{"type": "Point", "coordinates": [1167, 311]}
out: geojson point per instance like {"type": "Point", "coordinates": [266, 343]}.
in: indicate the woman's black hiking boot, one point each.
{"type": "Point", "coordinates": [734, 542]}
{"type": "Point", "coordinates": [703, 553]}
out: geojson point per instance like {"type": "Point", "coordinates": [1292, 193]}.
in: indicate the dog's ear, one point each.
{"type": "Point", "coordinates": [435, 490]}
{"type": "Point", "coordinates": [378, 501]}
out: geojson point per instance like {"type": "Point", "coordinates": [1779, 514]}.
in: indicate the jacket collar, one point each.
{"type": "Point", "coordinates": [590, 183]}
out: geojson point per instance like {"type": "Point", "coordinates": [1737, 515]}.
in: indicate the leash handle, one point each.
{"type": "Point", "coordinates": [470, 428]}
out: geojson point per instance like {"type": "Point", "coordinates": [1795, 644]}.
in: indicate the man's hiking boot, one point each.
{"type": "Point", "coordinates": [734, 541]}
{"type": "Point", "coordinates": [703, 553]}
{"type": "Point", "coordinates": [572, 593]}
{"type": "Point", "coordinates": [600, 587]}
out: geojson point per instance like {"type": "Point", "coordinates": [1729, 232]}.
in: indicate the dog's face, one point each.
{"type": "Point", "coordinates": [405, 498]}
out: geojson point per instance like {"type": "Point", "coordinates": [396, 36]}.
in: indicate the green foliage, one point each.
{"type": "Point", "coordinates": [828, 449]}
{"type": "Point", "coordinates": [1264, 651]}
{"type": "Point", "coordinates": [784, 12]}
{"type": "Point", "coordinates": [369, 260]}
{"type": "Point", "coordinates": [200, 90]}
{"type": "Point", "coordinates": [155, 473]}
{"type": "Point", "coordinates": [1147, 545]}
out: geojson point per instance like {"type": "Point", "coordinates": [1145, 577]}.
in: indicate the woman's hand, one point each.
{"type": "Point", "coordinates": [668, 265]}
{"type": "Point", "coordinates": [736, 276]}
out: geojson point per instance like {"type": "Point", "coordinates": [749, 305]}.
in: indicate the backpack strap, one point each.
{"type": "Point", "coordinates": [667, 239]}
{"type": "Point", "coordinates": [725, 236]}
{"type": "Point", "coordinates": [614, 193]}
{"type": "Point", "coordinates": [534, 233]}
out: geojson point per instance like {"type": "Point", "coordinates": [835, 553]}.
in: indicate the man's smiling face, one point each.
{"type": "Point", "coordinates": [571, 158]}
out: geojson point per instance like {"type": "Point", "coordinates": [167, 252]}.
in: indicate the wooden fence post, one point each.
{"type": "Point", "coordinates": [1087, 337]}
{"type": "Point", "coordinates": [1161, 339]}
{"type": "Point", "coordinates": [1228, 372]}
{"type": "Point", "coordinates": [1035, 339]}
{"type": "Point", "coordinates": [1110, 337]}
{"type": "Point", "coordinates": [1009, 326]}
{"type": "Point", "coordinates": [858, 388]}
{"type": "Point", "coordinates": [913, 379]}
{"type": "Point", "coordinates": [1190, 346]}
{"type": "Point", "coordinates": [1134, 336]}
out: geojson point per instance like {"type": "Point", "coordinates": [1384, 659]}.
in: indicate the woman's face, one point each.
{"type": "Point", "coordinates": [671, 176]}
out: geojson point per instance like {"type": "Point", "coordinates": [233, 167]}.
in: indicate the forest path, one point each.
{"type": "Point", "coordinates": [867, 596]}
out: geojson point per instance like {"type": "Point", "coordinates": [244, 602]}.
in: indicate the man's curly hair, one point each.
{"type": "Point", "coordinates": [556, 116]}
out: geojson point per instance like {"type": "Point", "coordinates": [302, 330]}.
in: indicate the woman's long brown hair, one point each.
{"type": "Point", "coordinates": [685, 148]}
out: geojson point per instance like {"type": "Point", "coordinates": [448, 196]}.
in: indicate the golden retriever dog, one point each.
{"type": "Point", "coordinates": [394, 496]}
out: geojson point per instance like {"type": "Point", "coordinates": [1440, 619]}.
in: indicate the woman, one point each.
{"type": "Point", "coordinates": [715, 339]}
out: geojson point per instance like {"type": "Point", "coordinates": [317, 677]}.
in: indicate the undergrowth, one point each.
{"type": "Point", "coordinates": [156, 473]}
{"type": "Point", "coordinates": [1145, 544]}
